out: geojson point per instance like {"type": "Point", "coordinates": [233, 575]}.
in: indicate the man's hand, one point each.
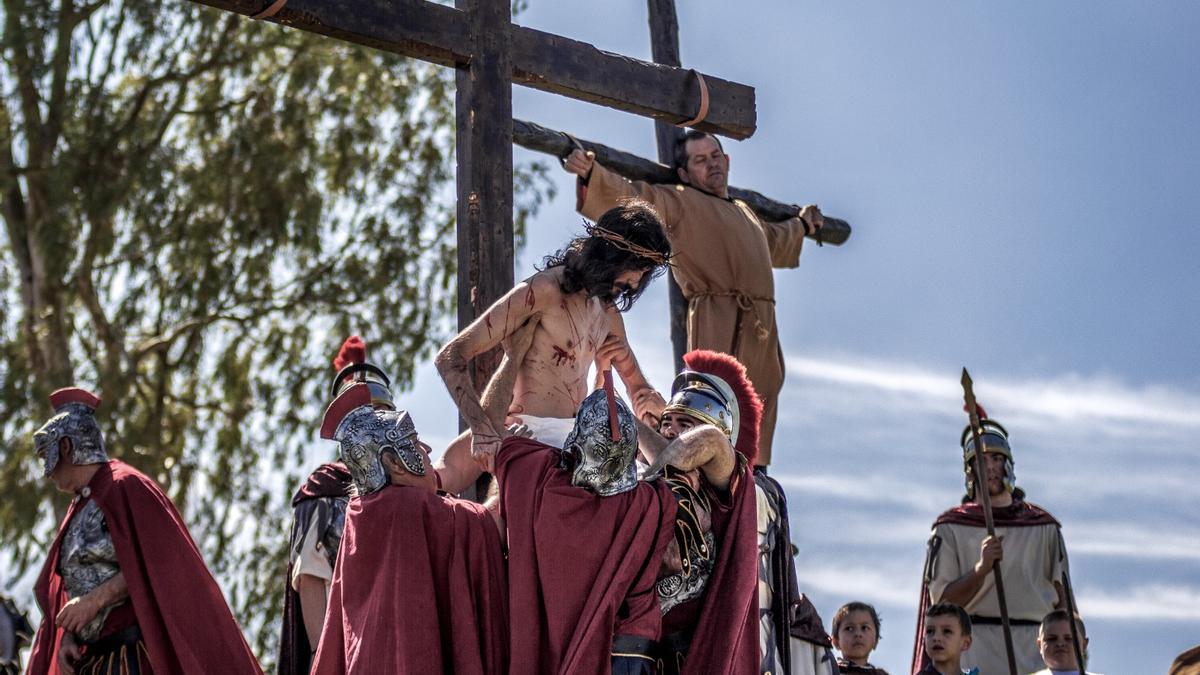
{"type": "Point", "coordinates": [813, 220]}
{"type": "Point", "coordinates": [614, 349]}
{"type": "Point", "coordinates": [68, 654]}
{"type": "Point", "coordinates": [519, 430]}
{"type": "Point", "coordinates": [580, 163]}
{"type": "Point", "coordinates": [991, 551]}
{"type": "Point", "coordinates": [648, 406]}
{"type": "Point", "coordinates": [77, 613]}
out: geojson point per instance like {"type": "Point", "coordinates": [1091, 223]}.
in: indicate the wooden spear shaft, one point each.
{"type": "Point", "coordinates": [1069, 591]}
{"type": "Point", "coordinates": [985, 502]}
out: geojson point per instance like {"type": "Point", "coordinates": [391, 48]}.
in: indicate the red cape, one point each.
{"type": "Point", "coordinates": [295, 652]}
{"type": "Point", "coordinates": [418, 588]}
{"type": "Point", "coordinates": [185, 621]}
{"type": "Point", "coordinates": [1018, 514]}
{"type": "Point", "coordinates": [726, 636]}
{"type": "Point", "coordinates": [581, 568]}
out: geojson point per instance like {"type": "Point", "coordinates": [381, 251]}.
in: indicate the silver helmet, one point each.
{"type": "Point", "coordinates": [365, 433]}
{"type": "Point", "coordinates": [994, 438]}
{"type": "Point", "coordinates": [707, 398]}
{"type": "Point", "coordinates": [601, 449]}
{"type": "Point", "coordinates": [75, 419]}
{"type": "Point", "coordinates": [352, 368]}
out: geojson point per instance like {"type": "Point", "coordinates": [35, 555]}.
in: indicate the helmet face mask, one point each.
{"type": "Point", "coordinates": [596, 461]}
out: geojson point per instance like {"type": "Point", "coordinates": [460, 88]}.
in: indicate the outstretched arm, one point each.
{"type": "Point", "coordinates": [703, 447]}
{"type": "Point", "coordinates": [599, 189]}
{"type": "Point", "coordinates": [615, 351]}
{"type": "Point", "coordinates": [498, 322]}
{"type": "Point", "coordinates": [456, 467]}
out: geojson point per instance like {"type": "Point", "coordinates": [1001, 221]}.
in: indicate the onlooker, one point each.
{"type": "Point", "coordinates": [1056, 645]}
{"type": "Point", "coordinates": [856, 634]}
{"type": "Point", "coordinates": [1187, 663]}
{"type": "Point", "coordinates": [947, 636]}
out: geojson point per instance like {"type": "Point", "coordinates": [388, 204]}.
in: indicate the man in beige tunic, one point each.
{"type": "Point", "coordinates": [722, 257]}
{"type": "Point", "coordinates": [1027, 547]}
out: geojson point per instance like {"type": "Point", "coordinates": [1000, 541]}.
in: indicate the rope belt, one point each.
{"type": "Point", "coordinates": [745, 303]}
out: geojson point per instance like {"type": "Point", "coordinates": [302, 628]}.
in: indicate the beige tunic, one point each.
{"type": "Point", "coordinates": [723, 255]}
{"type": "Point", "coordinates": [1031, 565]}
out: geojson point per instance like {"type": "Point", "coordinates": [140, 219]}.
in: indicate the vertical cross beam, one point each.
{"type": "Point", "coordinates": [483, 144]}
{"type": "Point", "coordinates": [483, 111]}
{"type": "Point", "coordinates": [664, 48]}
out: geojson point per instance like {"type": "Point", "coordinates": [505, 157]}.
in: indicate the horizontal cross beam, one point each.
{"type": "Point", "coordinates": [441, 34]}
{"type": "Point", "coordinates": [540, 139]}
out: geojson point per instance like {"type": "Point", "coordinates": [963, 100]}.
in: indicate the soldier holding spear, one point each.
{"type": "Point", "coordinates": [996, 555]}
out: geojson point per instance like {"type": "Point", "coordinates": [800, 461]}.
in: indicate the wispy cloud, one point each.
{"type": "Point", "coordinates": [1103, 403]}
{"type": "Point", "coordinates": [869, 489]}
{"type": "Point", "coordinates": [1128, 540]}
{"type": "Point", "coordinates": [1151, 602]}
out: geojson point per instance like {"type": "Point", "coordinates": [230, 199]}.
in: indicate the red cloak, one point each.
{"type": "Point", "coordinates": [1018, 514]}
{"type": "Point", "coordinates": [726, 637]}
{"type": "Point", "coordinates": [295, 652]}
{"type": "Point", "coordinates": [418, 588]}
{"type": "Point", "coordinates": [581, 567]}
{"type": "Point", "coordinates": [185, 621]}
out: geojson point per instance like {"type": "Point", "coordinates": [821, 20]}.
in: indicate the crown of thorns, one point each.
{"type": "Point", "coordinates": [656, 257]}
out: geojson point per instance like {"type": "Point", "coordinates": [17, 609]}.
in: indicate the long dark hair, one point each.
{"type": "Point", "coordinates": [593, 263]}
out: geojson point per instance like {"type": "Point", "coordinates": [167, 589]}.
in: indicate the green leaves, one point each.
{"type": "Point", "coordinates": [198, 209]}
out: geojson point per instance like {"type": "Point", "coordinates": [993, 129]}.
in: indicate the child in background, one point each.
{"type": "Point", "coordinates": [856, 634]}
{"type": "Point", "coordinates": [1056, 645]}
{"type": "Point", "coordinates": [947, 636]}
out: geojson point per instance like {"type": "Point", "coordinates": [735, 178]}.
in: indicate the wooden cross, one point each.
{"type": "Point", "coordinates": [490, 53]}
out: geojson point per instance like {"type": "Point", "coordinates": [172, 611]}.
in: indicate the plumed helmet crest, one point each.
{"type": "Point", "coordinates": [353, 350]}
{"type": "Point", "coordinates": [749, 405]}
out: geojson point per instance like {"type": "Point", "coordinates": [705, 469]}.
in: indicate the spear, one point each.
{"type": "Point", "coordinates": [1069, 591]}
{"type": "Point", "coordinates": [985, 502]}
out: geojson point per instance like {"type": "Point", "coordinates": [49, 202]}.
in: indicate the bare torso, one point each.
{"type": "Point", "coordinates": [553, 378]}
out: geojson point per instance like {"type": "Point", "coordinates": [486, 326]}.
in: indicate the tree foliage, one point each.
{"type": "Point", "coordinates": [197, 208]}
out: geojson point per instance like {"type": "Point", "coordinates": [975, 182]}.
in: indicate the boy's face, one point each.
{"type": "Point", "coordinates": [944, 640]}
{"type": "Point", "coordinates": [856, 637]}
{"type": "Point", "coordinates": [1054, 641]}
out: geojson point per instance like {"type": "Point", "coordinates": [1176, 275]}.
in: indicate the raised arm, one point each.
{"type": "Point", "coordinates": [615, 351]}
{"type": "Point", "coordinates": [498, 322]}
{"type": "Point", "coordinates": [456, 467]}
{"type": "Point", "coordinates": [599, 189]}
{"type": "Point", "coordinates": [702, 447]}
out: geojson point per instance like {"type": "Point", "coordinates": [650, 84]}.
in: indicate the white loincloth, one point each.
{"type": "Point", "coordinates": [549, 430]}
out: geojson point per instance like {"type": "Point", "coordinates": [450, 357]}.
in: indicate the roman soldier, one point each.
{"type": "Point", "coordinates": [124, 588]}
{"type": "Point", "coordinates": [585, 540]}
{"type": "Point", "coordinates": [319, 513]}
{"type": "Point", "coordinates": [1028, 548]}
{"type": "Point", "coordinates": [419, 581]}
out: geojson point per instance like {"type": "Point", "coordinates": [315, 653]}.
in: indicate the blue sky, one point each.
{"type": "Point", "coordinates": [1022, 179]}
